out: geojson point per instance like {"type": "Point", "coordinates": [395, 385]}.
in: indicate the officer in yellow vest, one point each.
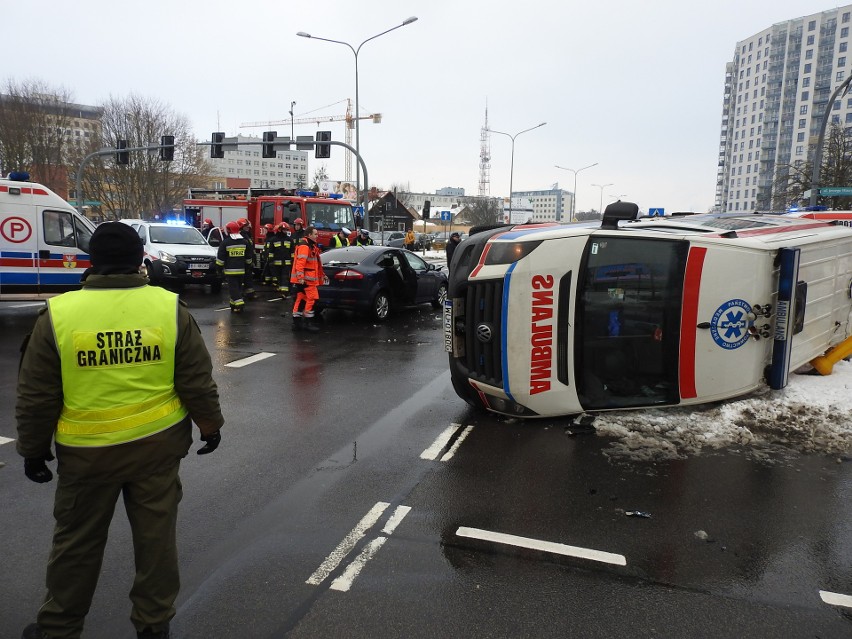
{"type": "Point", "coordinates": [114, 375]}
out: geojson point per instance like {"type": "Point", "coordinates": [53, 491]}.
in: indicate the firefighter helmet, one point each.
{"type": "Point", "coordinates": [299, 221]}
{"type": "Point", "coordinates": [283, 226]}
{"type": "Point", "coordinates": [243, 222]}
{"type": "Point", "coordinates": [232, 227]}
{"type": "Point", "coordinates": [269, 228]}
{"type": "Point", "coordinates": [207, 220]}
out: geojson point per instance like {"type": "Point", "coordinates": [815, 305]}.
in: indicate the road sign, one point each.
{"type": "Point", "coordinates": [445, 216]}
{"type": "Point", "coordinates": [656, 212]}
{"type": "Point", "coordinates": [836, 191]}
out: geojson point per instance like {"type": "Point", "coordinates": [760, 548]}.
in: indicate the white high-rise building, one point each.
{"type": "Point", "coordinates": [776, 91]}
{"type": "Point", "coordinates": [288, 170]}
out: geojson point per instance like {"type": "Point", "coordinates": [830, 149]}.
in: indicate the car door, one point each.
{"type": "Point", "coordinates": [426, 285]}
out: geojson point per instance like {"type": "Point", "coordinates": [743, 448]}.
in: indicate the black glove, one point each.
{"type": "Point", "coordinates": [212, 444]}
{"type": "Point", "coordinates": [36, 469]}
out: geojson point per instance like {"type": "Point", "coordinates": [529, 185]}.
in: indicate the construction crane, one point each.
{"type": "Point", "coordinates": [348, 118]}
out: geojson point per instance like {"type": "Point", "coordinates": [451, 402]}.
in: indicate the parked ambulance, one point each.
{"type": "Point", "coordinates": [44, 242]}
{"type": "Point", "coordinates": [664, 311]}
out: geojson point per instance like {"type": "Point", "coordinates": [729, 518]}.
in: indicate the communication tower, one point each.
{"type": "Point", "coordinates": [485, 158]}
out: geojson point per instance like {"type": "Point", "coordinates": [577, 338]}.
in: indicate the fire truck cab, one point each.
{"type": "Point", "coordinates": [328, 213]}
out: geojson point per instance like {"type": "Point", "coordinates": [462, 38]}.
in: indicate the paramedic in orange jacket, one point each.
{"type": "Point", "coordinates": [306, 277]}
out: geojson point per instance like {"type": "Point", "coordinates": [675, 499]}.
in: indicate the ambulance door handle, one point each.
{"type": "Point", "coordinates": [44, 255]}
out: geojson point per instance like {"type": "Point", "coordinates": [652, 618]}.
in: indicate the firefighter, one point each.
{"type": "Point", "coordinates": [246, 232]}
{"type": "Point", "coordinates": [206, 227]}
{"type": "Point", "coordinates": [298, 231]}
{"type": "Point", "coordinates": [270, 273]}
{"type": "Point", "coordinates": [339, 239]}
{"type": "Point", "coordinates": [235, 259]}
{"type": "Point", "coordinates": [307, 277]}
{"type": "Point", "coordinates": [282, 258]}
{"type": "Point", "coordinates": [113, 375]}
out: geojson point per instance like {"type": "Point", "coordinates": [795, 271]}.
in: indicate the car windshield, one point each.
{"type": "Point", "coordinates": [627, 331]}
{"type": "Point", "coordinates": [330, 215]}
{"type": "Point", "coordinates": [176, 235]}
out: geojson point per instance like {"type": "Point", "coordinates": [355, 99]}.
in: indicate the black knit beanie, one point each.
{"type": "Point", "coordinates": [115, 246]}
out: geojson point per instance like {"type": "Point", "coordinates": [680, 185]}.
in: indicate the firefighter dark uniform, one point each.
{"type": "Point", "coordinates": [248, 278]}
{"type": "Point", "coordinates": [270, 273]}
{"type": "Point", "coordinates": [282, 258]}
{"type": "Point", "coordinates": [298, 232]}
{"type": "Point", "coordinates": [235, 259]}
{"type": "Point", "coordinates": [115, 374]}
{"type": "Point", "coordinates": [307, 277]}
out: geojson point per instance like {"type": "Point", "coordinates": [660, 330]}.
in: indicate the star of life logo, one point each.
{"type": "Point", "coordinates": [730, 324]}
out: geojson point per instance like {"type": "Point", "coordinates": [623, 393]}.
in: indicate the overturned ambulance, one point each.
{"type": "Point", "coordinates": [629, 313]}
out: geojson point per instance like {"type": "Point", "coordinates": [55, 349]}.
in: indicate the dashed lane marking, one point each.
{"type": "Point", "coordinates": [5, 440]}
{"type": "Point", "coordinates": [249, 360]}
{"type": "Point", "coordinates": [449, 454]}
{"type": "Point", "coordinates": [546, 546]}
{"type": "Point", "coordinates": [345, 547]}
{"type": "Point", "coordinates": [443, 440]}
{"type": "Point", "coordinates": [835, 599]}
{"type": "Point", "coordinates": [344, 582]}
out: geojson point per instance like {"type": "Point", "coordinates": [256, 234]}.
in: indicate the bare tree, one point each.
{"type": "Point", "coordinates": [320, 175]}
{"type": "Point", "coordinates": [402, 192]}
{"type": "Point", "coordinates": [146, 185]}
{"type": "Point", "coordinates": [35, 131]}
{"type": "Point", "coordinates": [481, 211]}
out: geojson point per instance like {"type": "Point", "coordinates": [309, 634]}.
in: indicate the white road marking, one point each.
{"type": "Point", "coordinates": [449, 455]}
{"type": "Point", "coordinates": [344, 581]}
{"type": "Point", "coordinates": [398, 515]}
{"type": "Point", "coordinates": [250, 360]}
{"type": "Point", "coordinates": [5, 440]}
{"type": "Point", "coordinates": [344, 547]}
{"type": "Point", "coordinates": [438, 445]}
{"type": "Point", "coordinates": [28, 305]}
{"type": "Point", "coordinates": [546, 546]}
{"type": "Point", "coordinates": [834, 599]}
{"type": "Point", "coordinates": [275, 299]}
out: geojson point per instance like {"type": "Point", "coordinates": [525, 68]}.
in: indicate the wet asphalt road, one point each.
{"type": "Point", "coordinates": [331, 511]}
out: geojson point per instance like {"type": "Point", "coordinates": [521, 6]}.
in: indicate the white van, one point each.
{"type": "Point", "coordinates": [44, 242]}
{"type": "Point", "coordinates": [558, 320]}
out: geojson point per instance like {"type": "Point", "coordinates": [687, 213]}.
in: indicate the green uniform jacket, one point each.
{"type": "Point", "coordinates": [40, 403]}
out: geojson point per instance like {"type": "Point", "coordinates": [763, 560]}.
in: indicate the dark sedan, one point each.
{"type": "Point", "coordinates": [378, 279]}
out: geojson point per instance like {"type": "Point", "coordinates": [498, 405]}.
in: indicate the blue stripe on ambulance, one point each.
{"type": "Point", "coordinates": [785, 320]}
{"type": "Point", "coordinates": [504, 322]}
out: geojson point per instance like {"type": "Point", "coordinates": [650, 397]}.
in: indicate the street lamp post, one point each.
{"type": "Point", "coordinates": [355, 52]}
{"type": "Point", "coordinates": [512, 165]}
{"type": "Point", "coordinates": [292, 135]}
{"type": "Point", "coordinates": [602, 187]}
{"type": "Point", "coordinates": [574, 197]}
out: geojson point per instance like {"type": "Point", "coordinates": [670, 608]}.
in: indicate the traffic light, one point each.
{"type": "Point", "coordinates": [167, 148]}
{"type": "Point", "coordinates": [323, 150]}
{"type": "Point", "coordinates": [216, 149]}
{"type": "Point", "coordinates": [268, 147]}
{"type": "Point", "coordinates": [426, 206]}
{"type": "Point", "coordinates": [122, 157]}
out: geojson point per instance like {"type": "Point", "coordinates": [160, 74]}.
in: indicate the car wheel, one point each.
{"type": "Point", "coordinates": [438, 302]}
{"type": "Point", "coordinates": [380, 309]}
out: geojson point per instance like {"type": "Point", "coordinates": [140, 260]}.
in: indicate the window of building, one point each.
{"type": "Point", "coordinates": [845, 18]}
{"type": "Point", "coordinates": [799, 150]}
{"type": "Point", "coordinates": [841, 61]}
{"type": "Point", "coordinates": [810, 39]}
{"type": "Point", "coordinates": [835, 119]}
{"type": "Point", "coordinates": [802, 122]}
{"type": "Point", "coordinates": [805, 95]}
{"type": "Point", "coordinates": [809, 54]}
{"type": "Point", "coordinates": [843, 47]}
{"type": "Point", "coordinates": [806, 82]}
{"type": "Point", "coordinates": [811, 25]}
{"type": "Point", "coordinates": [839, 76]}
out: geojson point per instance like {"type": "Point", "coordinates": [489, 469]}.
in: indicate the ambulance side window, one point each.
{"type": "Point", "coordinates": [58, 228]}
{"type": "Point", "coordinates": [83, 236]}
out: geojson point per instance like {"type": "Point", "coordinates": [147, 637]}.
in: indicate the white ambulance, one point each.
{"type": "Point", "coordinates": [630, 313]}
{"type": "Point", "coordinates": [44, 242]}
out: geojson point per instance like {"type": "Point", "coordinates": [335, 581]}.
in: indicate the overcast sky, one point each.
{"type": "Point", "coordinates": [634, 86]}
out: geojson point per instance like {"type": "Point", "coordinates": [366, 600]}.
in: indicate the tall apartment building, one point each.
{"type": "Point", "coordinates": [548, 205]}
{"type": "Point", "coordinates": [776, 91]}
{"type": "Point", "coordinates": [289, 170]}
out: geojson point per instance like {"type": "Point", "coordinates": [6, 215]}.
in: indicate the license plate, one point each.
{"type": "Point", "coordinates": [198, 267]}
{"type": "Point", "coordinates": [448, 326]}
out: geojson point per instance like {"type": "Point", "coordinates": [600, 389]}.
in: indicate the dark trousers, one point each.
{"type": "Point", "coordinates": [83, 513]}
{"type": "Point", "coordinates": [235, 289]}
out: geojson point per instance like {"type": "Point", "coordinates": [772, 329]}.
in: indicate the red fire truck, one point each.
{"type": "Point", "coordinates": [326, 212]}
